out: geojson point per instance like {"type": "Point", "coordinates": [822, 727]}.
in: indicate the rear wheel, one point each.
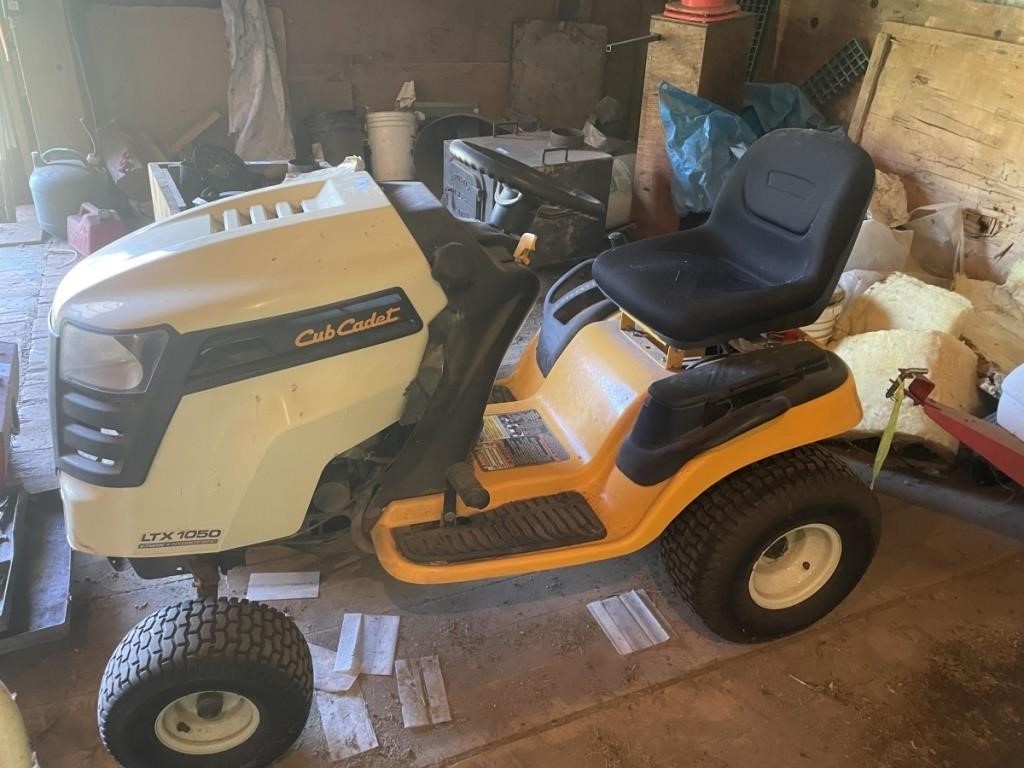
{"type": "Point", "coordinates": [205, 683]}
{"type": "Point", "coordinates": [775, 546]}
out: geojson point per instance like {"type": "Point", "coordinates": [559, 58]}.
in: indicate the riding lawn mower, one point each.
{"type": "Point", "coordinates": [322, 355]}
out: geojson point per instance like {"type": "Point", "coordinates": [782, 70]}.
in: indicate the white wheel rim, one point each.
{"type": "Point", "coordinates": [795, 566]}
{"type": "Point", "coordinates": [188, 726]}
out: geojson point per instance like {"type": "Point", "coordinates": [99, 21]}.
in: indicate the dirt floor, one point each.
{"type": "Point", "coordinates": [922, 666]}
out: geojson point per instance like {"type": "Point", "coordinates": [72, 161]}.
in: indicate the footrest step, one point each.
{"type": "Point", "coordinates": [529, 525]}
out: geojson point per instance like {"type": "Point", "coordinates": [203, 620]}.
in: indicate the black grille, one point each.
{"type": "Point", "coordinates": [94, 431]}
{"type": "Point", "coordinates": [105, 438]}
{"type": "Point", "coordinates": [111, 439]}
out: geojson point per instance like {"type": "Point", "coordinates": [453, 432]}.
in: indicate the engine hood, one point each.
{"type": "Point", "coordinates": [309, 242]}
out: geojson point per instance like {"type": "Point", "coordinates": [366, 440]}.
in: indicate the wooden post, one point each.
{"type": "Point", "coordinates": [709, 60]}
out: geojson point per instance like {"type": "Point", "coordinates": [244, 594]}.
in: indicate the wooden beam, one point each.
{"type": "Point", "coordinates": [879, 55]}
{"type": "Point", "coordinates": [709, 60]}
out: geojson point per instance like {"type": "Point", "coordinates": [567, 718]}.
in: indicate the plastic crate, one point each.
{"type": "Point", "coordinates": [760, 9]}
{"type": "Point", "coordinates": [848, 64]}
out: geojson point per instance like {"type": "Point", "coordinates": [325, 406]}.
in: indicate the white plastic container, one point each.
{"type": "Point", "coordinates": [620, 194]}
{"type": "Point", "coordinates": [821, 330]}
{"type": "Point", "coordinates": [392, 136]}
{"type": "Point", "coordinates": [1010, 415]}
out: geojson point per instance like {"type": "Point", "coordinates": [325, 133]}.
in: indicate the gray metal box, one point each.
{"type": "Point", "coordinates": [561, 236]}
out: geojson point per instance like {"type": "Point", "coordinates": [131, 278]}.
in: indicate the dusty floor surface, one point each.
{"type": "Point", "coordinates": [922, 666]}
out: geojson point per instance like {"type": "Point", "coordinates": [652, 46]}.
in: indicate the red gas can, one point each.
{"type": "Point", "coordinates": [92, 228]}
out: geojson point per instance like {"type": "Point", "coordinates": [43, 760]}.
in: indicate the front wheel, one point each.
{"type": "Point", "coordinates": [213, 682]}
{"type": "Point", "coordinates": [775, 546]}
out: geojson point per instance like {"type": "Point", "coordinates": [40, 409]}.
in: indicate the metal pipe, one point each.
{"type": "Point", "coordinates": [653, 38]}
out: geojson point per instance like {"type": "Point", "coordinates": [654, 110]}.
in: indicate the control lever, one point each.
{"type": "Point", "coordinates": [462, 483]}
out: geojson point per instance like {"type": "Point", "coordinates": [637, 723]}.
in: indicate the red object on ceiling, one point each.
{"type": "Point", "coordinates": [701, 11]}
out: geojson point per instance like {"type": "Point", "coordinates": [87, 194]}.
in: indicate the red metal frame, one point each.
{"type": "Point", "coordinates": [995, 444]}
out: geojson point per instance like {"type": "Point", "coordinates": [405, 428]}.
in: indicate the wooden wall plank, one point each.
{"type": "Point", "coordinates": [158, 69]}
{"type": "Point", "coordinates": [455, 49]}
{"type": "Point", "coordinates": [879, 56]}
{"type": "Point", "coordinates": [46, 61]}
{"type": "Point", "coordinates": [809, 31]}
{"type": "Point", "coordinates": [557, 70]}
{"type": "Point", "coordinates": [946, 116]}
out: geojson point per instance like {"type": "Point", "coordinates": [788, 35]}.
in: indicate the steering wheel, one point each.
{"type": "Point", "coordinates": [526, 180]}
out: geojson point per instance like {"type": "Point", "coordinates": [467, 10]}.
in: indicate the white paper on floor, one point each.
{"type": "Point", "coordinates": [628, 621]}
{"type": "Point", "coordinates": [294, 585]}
{"type": "Point", "coordinates": [346, 723]}
{"type": "Point", "coordinates": [367, 644]}
{"type": "Point", "coordinates": [421, 691]}
{"type": "Point", "coordinates": [324, 677]}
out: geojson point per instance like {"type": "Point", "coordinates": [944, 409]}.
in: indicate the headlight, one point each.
{"type": "Point", "coordinates": [115, 362]}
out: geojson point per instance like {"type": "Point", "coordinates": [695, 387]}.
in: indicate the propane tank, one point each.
{"type": "Point", "coordinates": [61, 180]}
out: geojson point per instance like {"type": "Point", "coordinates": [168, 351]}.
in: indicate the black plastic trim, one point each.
{"type": "Point", "coordinates": [201, 360]}
{"type": "Point", "coordinates": [526, 525]}
{"type": "Point", "coordinates": [487, 303]}
{"type": "Point", "coordinates": [567, 310]}
{"type": "Point", "coordinates": [274, 344]}
{"type": "Point", "coordinates": [715, 402]}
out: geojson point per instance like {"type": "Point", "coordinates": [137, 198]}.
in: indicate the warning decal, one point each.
{"type": "Point", "coordinates": [519, 439]}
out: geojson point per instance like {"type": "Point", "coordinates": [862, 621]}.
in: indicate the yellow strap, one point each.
{"type": "Point", "coordinates": [885, 444]}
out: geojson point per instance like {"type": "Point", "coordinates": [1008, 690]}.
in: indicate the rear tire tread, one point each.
{"type": "Point", "coordinates": [690, 544]}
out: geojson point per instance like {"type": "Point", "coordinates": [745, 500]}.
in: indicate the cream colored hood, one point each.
{"type": "Point", "coordinates": [309, 242]}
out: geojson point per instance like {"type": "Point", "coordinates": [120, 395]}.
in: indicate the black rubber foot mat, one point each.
{"type": "Point", "coordinates": [530, 525]}
{"type": "Point", "coordinates": [500, 394]}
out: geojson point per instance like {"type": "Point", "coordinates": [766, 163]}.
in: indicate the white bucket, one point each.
{"type": "Point", "coordinates": [392, 135]}
{"type": "Point", "coordinates": [821, 330]}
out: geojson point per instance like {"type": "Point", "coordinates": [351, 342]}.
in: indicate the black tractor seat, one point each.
{"type": "Point", "coordinates": [769, 256]}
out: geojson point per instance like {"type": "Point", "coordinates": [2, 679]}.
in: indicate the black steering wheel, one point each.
{"type": "Point", "coordinates": [526, 180]}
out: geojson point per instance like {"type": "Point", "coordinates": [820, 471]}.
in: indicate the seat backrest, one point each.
{"type": "Point", "coordinates": [792, 208]}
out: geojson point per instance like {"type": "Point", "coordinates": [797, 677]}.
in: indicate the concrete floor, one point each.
{"type": "Point", "coordinates": [922, 666]}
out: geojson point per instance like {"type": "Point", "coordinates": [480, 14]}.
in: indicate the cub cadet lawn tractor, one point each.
{"type": "Point", "coordinates": [322, 355]}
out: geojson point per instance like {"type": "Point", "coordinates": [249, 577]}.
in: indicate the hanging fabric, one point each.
{"type": "Point", "coordinates": [257, 101]}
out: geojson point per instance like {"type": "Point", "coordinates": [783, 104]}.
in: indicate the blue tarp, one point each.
{"type": "Point", "coordinates": [704, 140]}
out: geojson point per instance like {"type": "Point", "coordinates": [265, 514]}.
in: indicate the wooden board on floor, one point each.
{"type": "Point", "coordinates": [20, 233]}
{"type": "Point", "coordinates": [557, 70]}
{"type": "Point", "coordinates": [942, 109]}
{"type": "Point", "coordinates": [26, 213]}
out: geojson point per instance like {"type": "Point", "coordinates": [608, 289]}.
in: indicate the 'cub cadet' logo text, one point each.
{"type": "Point", "coordinates": [347, 327]}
